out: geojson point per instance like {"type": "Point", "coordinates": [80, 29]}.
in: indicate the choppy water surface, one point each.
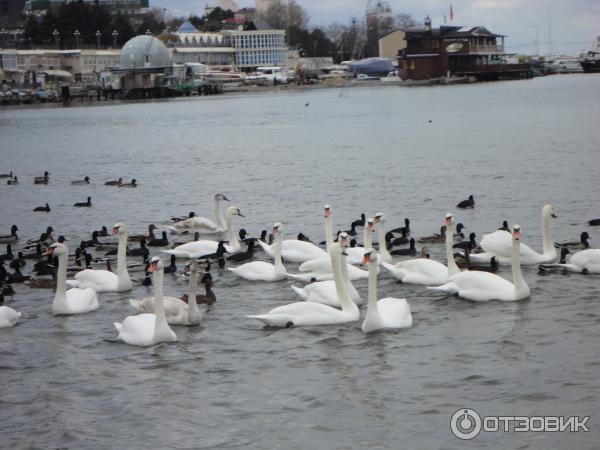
{"type": "Point", "coordinates": [231, 383]}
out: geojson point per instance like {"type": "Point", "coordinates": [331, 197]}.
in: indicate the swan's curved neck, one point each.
{"type": "Point", "coordinates": [452, 267]}
{"type": "Point", "coordinates": [122, 274]}
{"type": "Point", "coordinates": [278, 248]}
{"type": "Point", "coordinates": [218, 214]}
{"type": "Point", "coordinates": [193, 310]}
{"type": "Point", "coordinates": [231, 235]}
{"type": "Point", "coordinates": [61, 279]}
{"type": "Point", "coordinates": [518, 281]}
{"type": "Point", "coordinates": [372, 310]}
{"type": "Point", "coordinates": [368, 238]}
{"type": "Point", "coordinates": [161, 327]}
{"type": "Point", "coordinates": [383, 251]}
{"type": "Point", "coordinates": [548, 245]}
{"type": "Point", "coordinates": [329, 231]}
{"type": "Point", "coordinates": [337, 266]}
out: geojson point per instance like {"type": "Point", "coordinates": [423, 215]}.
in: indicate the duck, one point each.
{"type": "Point", "coordinates": [594, 222]}
{"type": "Point", "coordinates": [424, 270]}
{"type": "Point", "coordinates": [19, 261]}
{"type": "Point", "coordinates": [142, 250]}
{"type": "Point", "coordinates": [91, 242]}
{"type": "Point", "coordinates": [8, 256]}
{"type": "Point", "coordinates": [485, 286]}
{"type": "Point", "coordinates": [12, 237]}
{"type": "Point", "coordinates": [359, 222]}
{"type": "Point", "coordinates": [36, 254]}
{"type": "Point", "coordinates": [177, 311]}
{"type": "Point", "coordinates": [243, 256]}
{"type": "Point", "coordinates": [405, 230]}
{"type": "Point", "coordinates": [17, 277]}
{"type": "Point", "coordinates": [434, 238]}
{"type": "Point", "coordinates": [148, 329]}
{"type": "Point", "coordinates": [178, 219]}
{"type": "Point", "coordinates": [86, 180]}
{"type": "Point", "coordinates": [156, 242]}
{"type": "Point", "coordinates": [203, 224]}
{"type": "Point", "coordinates": [458, 234]}
{"type": "Point", "coordinates": [312, 313]}
{"type": "Point", "coordinates": [103, 280]}
{"type": "Point", "coordinates": [102, 231]}
{"type": "Point", "coordinates": [547, 268]}
{"type": "Point", "coordinates": [85, 204]}
{"type": "Point", "coordinates": [585, 262]}
{"type": "Point", "coordinates": [41, 283]}
{"type": "Point", "coordinates": [44, 237]}
{"type": "Point", "coordinates": [470, 244]}
{"type": "Point", "coordinates": [261, 270]}
{"type": "Point", "coordinates": [131, 184]}
{"type": "Point", "coordinates": [469, 203]}
{"type": "Point", "coordinates": [42, 208]}
{"type": "Point", "coordinates": [172, 267]}
{"type": "Point", "coordinates": [75, 300]}
{"type": "Point", "coordinates": [6, 175]}
{"type": "Point", "coordinates": [499, 244]}
{"type": "Point", "coordinates": [221, 250]}
{"type": "Point", "coordinates": [582, 244]}
{"type": "Point", "coordinates": [392, 241]}
{"type": "Point", "coordinates": [8, 317]}
{"type": "Point", "coordinates": [411, 250]}
{"type": "Point", "coordinates": [352, 230]}
{"type": "Point", "coordinates": [209, 297]}
{"type": "Point", "coordinates": [42, 180]}
{"type": "Point", "coordinates": [468, 264]}
{"type": "Point", "coordinates": [46, 267]}
{"type": "Point", "coordinates": [388, 313]}
{"type": "Point", "coordinates": [149, 237]}
{"type": "Point", "coordinates": [13, 181]}
{"type": "Point", "coordinates": [196, 249]}
{"type": "Point", "coordinates": [114, 182]}
{"type": "Point", "coordinates": [504, 226]}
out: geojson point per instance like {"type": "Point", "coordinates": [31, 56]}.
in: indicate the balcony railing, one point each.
{"type": "Point", "coordinates": [486, 48]}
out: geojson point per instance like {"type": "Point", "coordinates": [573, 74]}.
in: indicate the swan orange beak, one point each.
{"type": "Point", "coordinates": [114, 231]}
{"type": "Point", "coordinates": [365, 259]}
{"type": "Point", "coordinates": [152, 267]}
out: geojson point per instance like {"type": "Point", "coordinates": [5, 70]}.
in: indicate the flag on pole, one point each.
{"type": "Point", "coordinates": [451, 13]}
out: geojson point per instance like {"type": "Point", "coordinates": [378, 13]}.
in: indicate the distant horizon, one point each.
{"type": "Point", "coordinates": [561, 27]}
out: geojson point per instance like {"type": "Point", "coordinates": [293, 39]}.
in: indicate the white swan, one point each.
{"type": "Point", "coordinates": [325, 291]}
{"type": "Point", "coordinates": [311, 313]}
{"type": "Point", "coordinates": [324, 269]}
{"type": "Point", "coordinates": [177, 311]}
{"type": "Point", "coordinates": [425, 270]}
{"type": "Point", "coordinates": [585, 261]}
{"type": "Point", "coordinates": [103, 280]}
{"type": "Point", "coordinates": [499, 244]}
{"type": "Point", "coordinates": [484, 286]}
{"type": "Point", "coordinates": [295, 251]}
{"type": "Point", "coordinates": [387, 313]}
{"type": "Point", "coordinates": [75, 300]}
{"type": "Point", "coordinates": [196, 249]}
{"type": "Point", "coordinates": [149, 329]}
{"type": "Point", "coordinates": [262, 270]}
{"type": "Point", "coordinates": [384, 254]}
{"type": "Point", "coordinates": [203, 224]}
{"type": "Point", "coordinates": [8, 316]}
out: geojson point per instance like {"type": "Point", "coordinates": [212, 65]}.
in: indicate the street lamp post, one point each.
{"type": "Point", "coordinates": [77, 34]}
{"type": "Point", "coordinates": [98, 35]}
{"type": "Point", "coordinates": [56, 35]}
{"type": "Point", "coordinates": [115, 34]}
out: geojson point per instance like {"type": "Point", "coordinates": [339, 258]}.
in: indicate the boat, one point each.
{"type": "Point", "coordinates": [591, 62]}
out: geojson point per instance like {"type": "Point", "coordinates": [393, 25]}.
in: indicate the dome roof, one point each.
{"type": "Point", "coordinates": [144, 51]}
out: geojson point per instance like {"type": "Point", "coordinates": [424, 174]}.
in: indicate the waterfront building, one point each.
{"type": "Point", "coordinates": [31, 67]}
{"type": "Point", "coordinates": [454, 51]}
{"type": "Point", "coordinates": [391, 44]}
{"type": "Point", "coordinates": [191, 46]}
{"type": "Point", "coordinates": [255, 48]}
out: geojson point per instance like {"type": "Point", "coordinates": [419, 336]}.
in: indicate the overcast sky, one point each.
{"type": "Point", "coordinates": [572, 24]}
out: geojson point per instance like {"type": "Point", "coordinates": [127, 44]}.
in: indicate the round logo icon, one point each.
{"type": "Point", "coordinates": [465, 423]}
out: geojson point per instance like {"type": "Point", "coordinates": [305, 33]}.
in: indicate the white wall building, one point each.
{"type": "Point", "coordinates": [258, 48]}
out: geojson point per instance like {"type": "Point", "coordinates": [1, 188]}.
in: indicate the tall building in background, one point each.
{"type": "Point", "coordinates": [380, 21]}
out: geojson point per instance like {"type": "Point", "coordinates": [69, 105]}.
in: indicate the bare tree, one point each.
{"type": "Point", "coordinates": [285, 14]}
{"type": "Point", "coordinates": [404, 21]}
